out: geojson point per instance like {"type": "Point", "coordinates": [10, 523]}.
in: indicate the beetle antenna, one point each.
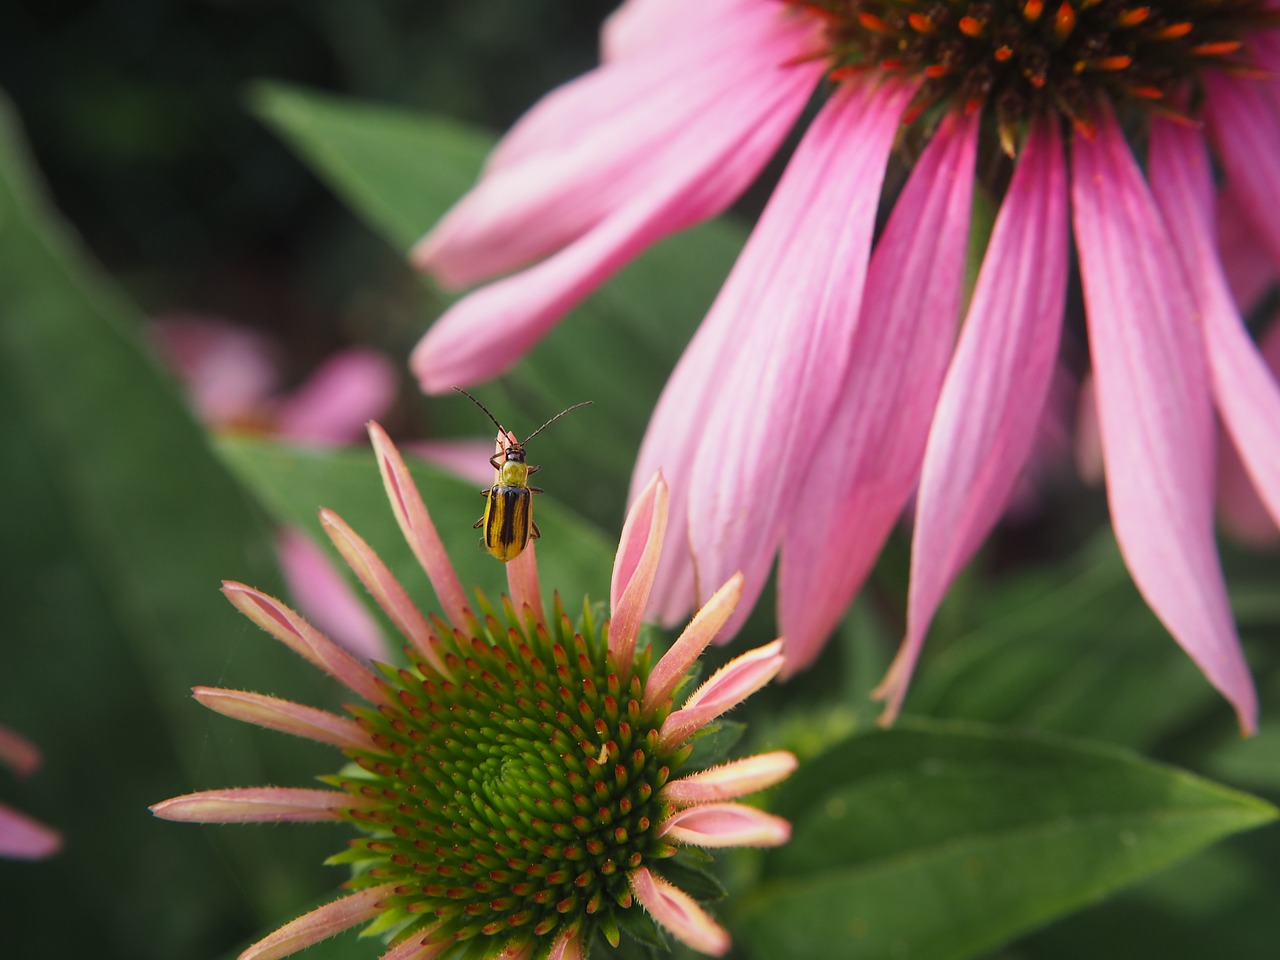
{"type": "Point", "coordinates": [501, 428]}
{"type": "Point", "coordinates": [584, 403]}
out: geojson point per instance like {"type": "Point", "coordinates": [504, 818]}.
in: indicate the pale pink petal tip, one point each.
{"type": "Point", "coordinates": [679, 913]}
{"type": "Point", "coordinates": [324, 595]}
{"type": "Point", "coordinates": [257, 805]}
{"type": "Point", "coordinates": [702, 629]}
{"type": "Point", "coordinates": [732, 780]}
{"type": "Point", "coordinates": [415, 523]}
{"type": "Point", "coordinates": [420, 946]}
{"type": "Point", "coordinates": [728, 687]}
{"type": "Point", "coordinates": [523, 583]}
{"type": "Point", "coordinates": [725, 825]}
{"type": "Point", "coordinates": [18, 753]}
{"type": "Point", "coordinates": [635, 566]}
{"type": "Point", "coordinates": [320, 924]}
{"type": "Point", "coordinates": [568, 945]}
{"type": "Point", "coordinates": [22, 838]}
{"type": "Point", "coordinates": [285, 716]}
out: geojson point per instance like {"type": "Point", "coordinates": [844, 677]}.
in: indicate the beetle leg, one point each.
{"type": "Point", "coordinates": [494, 461]}
{"type": "Point", "coordinates": [476, 526]}
{"type": "Point", "coordinates": [536, 490]}
{"type": "Point", "coordinates": [536, 532]}
{"type": "Point", "coordinates": [535, 467]}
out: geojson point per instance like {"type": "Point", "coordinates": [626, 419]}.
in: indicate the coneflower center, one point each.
{"type": "Point", "coordinates": [1028, 57]}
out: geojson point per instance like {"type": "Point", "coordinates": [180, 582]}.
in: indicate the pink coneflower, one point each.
{"type": "Point", "coordinates": [22, 838]}
{"type": "Point", "coordinates": [521, 784]}
{"type": "Point", "coordinates": [838, 370]}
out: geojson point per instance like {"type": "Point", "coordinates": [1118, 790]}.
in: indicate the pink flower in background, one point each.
{"type": "Point", "coordinates": [839, 369]}
{"type": "Point", "coordinates": [22, 838]}
{"type": "Point", "coordinates": [487, 766]}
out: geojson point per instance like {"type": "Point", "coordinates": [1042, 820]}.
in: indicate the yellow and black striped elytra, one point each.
{"type": "Point", "coordinates": [508, 510]}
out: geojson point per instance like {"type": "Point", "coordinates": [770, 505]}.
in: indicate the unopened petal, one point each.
{"type": "Point", "coordinates": [325, 596]}
{"type": "Point", "coordinates": [285, 716]}
{"type": "Point", "coordinates": [869, 455]}
{"type": "Point", "coordinates": [728, 687]}
{"type": "Point", "coordinates": [258, 805]}
{"type": "Point", "coordinates": [679, 913]}
{"type": "Point", "coordinates": [634, 568]}
{"type": "Point", "coordinates": [732, 780]}
{"type": "Point", "coordinates": [22, 838]}
{"type": "Point", "coordinates": [725, 825]}
{"type": "Point", "coordinates": [1154, 409]}
{"type": "Point", "coordinates": [320, 924]}
{"type": "Point", "coordinates": [993, 397]}
{"type": "Point", "coordinates": [702, 629]}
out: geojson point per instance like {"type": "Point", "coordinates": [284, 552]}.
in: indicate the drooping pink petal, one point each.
{"type": "Point", "coordinates": [320, 924]}
{"type": "Point", "coordinates": [679, 913]}
{"type": "Point", "coordinates": [522, 581]}
{"type": "Point", "coordinates": [868, 457]}
{"type": "Point", "coordinates": [1244, 387]}
{"type": "Point", "coordinates": [568, 945]}
{"type": "Point", "coordinates": [1154, 408]}
{"type": "Point", "coordinates": [725, 825]}
{"type": "Point", "coordinates": [1244, 120]}
{"type": "Point", "coordinates": [337, 400]}
{"type": "Point", "coordinates": [732, 780]}
{"type": "Point", "coordinates": [795, 294]}
{"type": "Point", "coordinates": [728, 687]}
{"type": "Point", "coordinates": [325, 597]}
{"type": "Point", "coordinates": [302, 638]}
{"type": "Point", "coordinates": [1248, 269]}
{"type": "Point", "coordinates": [682, 178]}
{"type": "Point", "coordinates": [419, 532]}
{"type": "Point", "coordinates": [285, 716]}
{"type": "Point", "coordinates": [22, 838]}
{"type": "Point", "coordinates": [228, 370]}
{"type": "Point", "coordinates": [1242, 512]}
{"type": "Point", "coordinates": [990, 407]}
{"type": "Point", "coordinates": [702, 629]}
{"type": "Point", "coordinates": [384, 588]}
{"type": "Point", "coordinates": [640, 26]}
{"type": "Point", "coordinates": [259, 805]}
{"type": "Point", "coordinates": [18, 753]}
{"type": "Point", "coordinates": [634, 567]}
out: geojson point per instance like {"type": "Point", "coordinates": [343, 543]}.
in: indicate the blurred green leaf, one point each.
{"type": "Point", "coordinates": [945, 840]}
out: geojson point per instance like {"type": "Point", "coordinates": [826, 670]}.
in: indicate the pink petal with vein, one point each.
{"type": "Point", "coordinates": [993, 397]}
{"type": "Point", "coordinates": [419, 532]}
{"type": "Point", "coordinates": [795, 294]}
{"type": "Point", "coordinates": [333, 405]}
{"type": "Point", "coordinates": [326, 598]}
{"type": "Point", "coordinates": [258, 805]}
{"type": "Point", "coordinates": [568, 945]}
{"type": "Point", "coordinates": [18, 753]}
{"type": "Point", "coordinates": [702, 629]}
{"type": "Point", "coordinates": [1244, 387]}
{"type": "Point", "coordinates": [679, 913]}
{"type": "Point", "coordinates": [728, 687]}
{"type": "Point", "coordinates": [320, 924]}
{"type": "Point", "coordinates": [725, 825]}
{"type": "Point", "coordinates": [420, 946]}
{"type": "Point", "coordinates": [285, 716]}
{"type": "Point", "coordinates": [22, 838]}
{"type": "Point", "coordinates": [1154, 408]}
{"type": "Point", "coordinates": [634, 567]}
{"type": "Point", "coordinates": [732, 780]}
{"type": "Point", "coordinates": [302, 638]}
{"type": "Point", "coordinates": [868, 458]}
{"type": "Point", "coordinates": [1244, 120]}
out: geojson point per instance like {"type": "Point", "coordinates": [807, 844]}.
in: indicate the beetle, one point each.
{"type": "Point", "coordinates": [508, 510]}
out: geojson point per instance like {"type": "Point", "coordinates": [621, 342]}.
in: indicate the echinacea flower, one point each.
{"type": "Point", "coordinates": [839, 369]}
{"type": "Point", "coordinates": [520, 789]}
{"type": "Point", "coordinates": [22, 838]}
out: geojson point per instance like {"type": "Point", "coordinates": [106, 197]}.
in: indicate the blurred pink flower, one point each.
{"type": "Point", "coordinates": [22, 838]}
{"type": "Point", "coordinates": [838, 369]}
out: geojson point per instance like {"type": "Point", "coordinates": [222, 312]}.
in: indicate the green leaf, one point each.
{"type": "Point", "coordinates": [945, 840]}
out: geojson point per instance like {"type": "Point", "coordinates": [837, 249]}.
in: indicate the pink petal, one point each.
{"type": "Point", "coordinates": [634, 567]}
{"type": "Point", "coordinates": [228, 370]}
{"type": "Point", "coordinates": [1244, 118]}
{"type": "Point", "coordinates": [420, 946]}
{"type": "Point", "coordinates": [466, 459]}
{"type": "Point", "coordinates": [731, 780]}
{"type": "Point", "coordinates": [22, 838]}
{"type": "Point", "coordinates": [989, 411]}
{"type": "Point", "coordinates": [725, 825]}
{"type": "Point", "coordinates": [1088, 441]}
{"type": "Point", "coordinates": [679, 913]}
{"type": "Point", "coordinates": [647, 190]}
{"type": "Point", "coordinates": [302, 638]}
{"type": "Point", "coordinates": [1249, 271]}
{"type": "Point", "coordinates": [1154, 409]}
{"type": "Point", "coordinates": [1244, 387]}
{"type": "Point", "coordinates": [259, 805]}
{"type": "Point", "coordinates": [285, 716]}
{"type": "Point", "coordinates": [868, 458]}
{"type": "Point", "coordinates": [568, 945]}
{"type": "Point", "coordinates": [18, 753]}
{"type": "Point", "coordinates": [335, 403]}
{"type": "Point", "coordinates": [522, 582]}
{"type": "Point", "coordinates": [728, 687]}
{"type": "Point", "coordinates": [320, 924]}
{"type": "Point", "coordinates": [325, 597]}
{"type": "Point", "coordinates": [638, 27]}
{"type": "Point", "coordinates": [415, 523]}
{"type": "Point", "coordinates": [702, 629]}
{"type": "Point", "coordinates": [1242, 513]}
{"type": "Point", "coordinates": [794, 296]}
